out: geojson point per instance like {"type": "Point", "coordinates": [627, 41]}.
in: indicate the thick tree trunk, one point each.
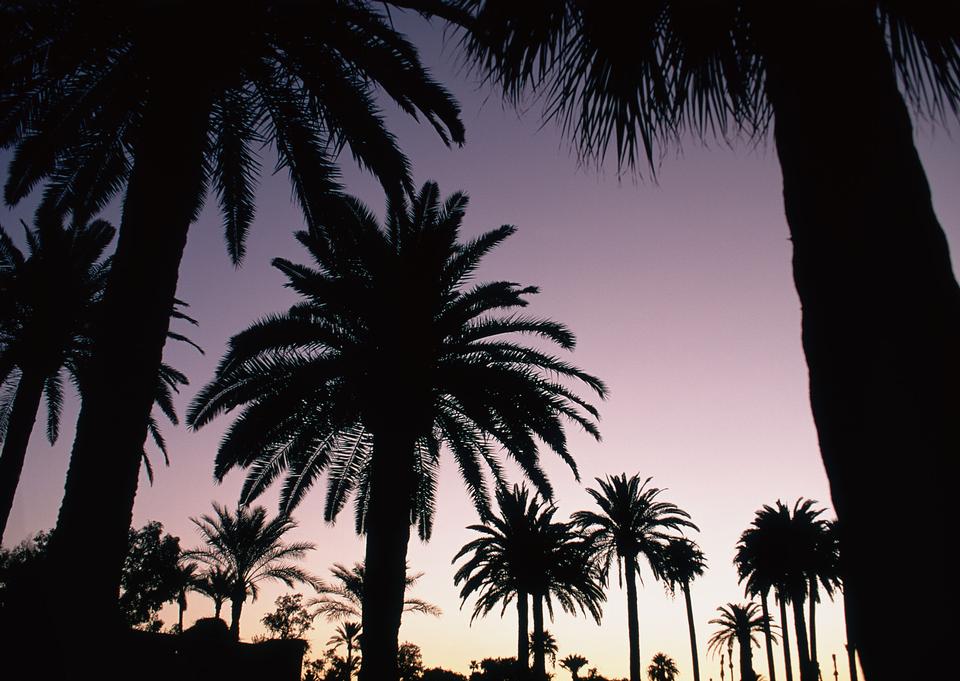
{"type": "Point", "coordinates": [385, 563]}
{"type": "Point", "coordinates": [767, 637]}
{"type": "Point", "coordinates": [785, 631]}
{"type": "Point", "coordinates": [880, 305]}
{"type": "Point", "coordinates": [746, 660]}
{"type": "Point", "coordinates": [694, 655]}
{"type": "Point", "coordinates": [633, 621]}
{"type": "Point", "coordinates": [539, 654]}
{"type": "Point", "coordinates": [217, 608]}
{"type": "Point", "coordinates": [523, 631]}
{"type": "Point", "coordinates": [236, 607]}
{"type": "Point", "coordinates": [23, 415]}
{"type": "Point", "coordinates": [814, 597]}
{"type": "Point", "coordinates": [803, 646]}
{"type": "Point", "coordinates": [89, 541]}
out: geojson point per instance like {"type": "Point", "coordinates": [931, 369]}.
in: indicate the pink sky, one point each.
{"type": "Point", "coordinates": [681, 296]}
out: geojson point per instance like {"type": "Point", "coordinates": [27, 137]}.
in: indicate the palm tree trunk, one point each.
{"type": "Point", "coordinates": [851, 645]}
{"type": "Point", "coordinates": [217, 607]}
{"type": "Point", "coordinates": [730, 658]}
{"type": "Point", "coordinates": [388, 534]}
{"type": "Point", "coordinates": [746, 659]}
{"type": "Point", "coordinates": [523, 632]}
{"type": "Point", "coordinates": [539, 654]}
{"type": "Point", "coordinates": [693, 633]}
{"type": "Point", "coordinates": [26, 403]}
{"type": "Point", "coordinates": [236, 606]}
{"type": "Point", "coordinates": [814, 662]}
{"type": "Point", "coordinates": [803, 649]}
{"type": "Point", "coordinates": [633, 622]}
{"type": "Point", "coordinates": [768, 639]}
{"type": "Point", "coordinates": [101, 485]}
{"type": "Point", "coordinates": [785, 631]}
{"type": "Point", "coordinates": [880, 304]}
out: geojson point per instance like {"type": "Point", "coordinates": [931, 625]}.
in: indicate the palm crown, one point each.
{"type": "Point", "coordinates": [344, 598]}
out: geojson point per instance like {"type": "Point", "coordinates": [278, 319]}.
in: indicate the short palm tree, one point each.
{"type": "Point", "coordinates": [348, 635]}
{"type": "Point", "coordinates": [251, 549]}
{"type": "Point", "coordinates": [344, 598]}
{"type": "Point", "coordinates": [739, 624]}
{"type": "Point", "coordinates": [545, 644]}
{"type": "Point", "coordinates": [662, 668]}
{"type": "Point", "coordinates": [96, 102]}
{"type": "Point", "coordinates": [390, 355]}
{"type": "Point", "coordinates": [573, 664]}
{"type": "Point", "coordinates": [216, 583]}
{"type": "Point", "coordinates": [631, 523]}
{"type": "Point", "coordinates": [857, 202]}
{"type": "Point", "coordinates": [683, 561]}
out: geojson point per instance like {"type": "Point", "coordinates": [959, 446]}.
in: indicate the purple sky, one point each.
{"type": "Point", "coordinates": [681, 296]}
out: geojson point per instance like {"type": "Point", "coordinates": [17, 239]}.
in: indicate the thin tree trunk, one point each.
{"type": "Point", "coordinates": [523, 631]}
{"type": "Point", "coordinates": [181, 606]}
{"type": "Point", "coordinates": [814, 662]}
{"type": "Point", "coordinates": [236, 607]}
{"type": "Point", "coordinates": [217, 607]}
{"type": "Point", "coordinates": [851, 645]}
{"type": "Point", "coordinates": [385, 563]}
{"type": "Point", "coordinates": [803, 647]}
{"type": "Point", "coordinates": [539, 654]}
{"type": "Point", "coordinates": [23, 415]}
{"type": "Point", "coordinates": [880, 306]}
{"type": "Point", "coordinates": [730, 659]}
{"type": "Point", "coordinates": [693, 633]}
{"type": "Point", "coordinates": [104, 466]}
{"type": "Point", "coordinates": [633, 622]}
{"type": "Point", "coordinates": [785, 631]}
{"type": "Point", "coordinates": [768, 639]}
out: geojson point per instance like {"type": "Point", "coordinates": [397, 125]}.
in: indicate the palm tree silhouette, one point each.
{"type": "Point", "coordinates": [344, 598]}
{"type": "Point", "coordinates": [662, 668]}
{"type": "Point", "coordinates": [738, 624]}
{"type": "Point", "coordinates": [836, 537]}
{"type": "Point", "coordinates": [389, 356]}
{"type": "Point", "coordinates": [573, 664]}
{"type": "Point", "coordinates": [251, 549]}
{"type": "Point", "coordinates": [760, 560]}
{"type": "Point", "coordinates": [547, 643]}
{"type": "Point", "coordinates": [216, 583]}
{"type": "Point", "coordinates": [522, 552]}
{"type": "Point", "coordinates": [631, 523]}
{"type": "Point", "coordinates": [348, 635]}
{"type": "Point", "coordinates": [96, 102]}
{"type": "Point", "coordinates": [857, 203]}
{"type": "Point", "coordinates": [683, 561]}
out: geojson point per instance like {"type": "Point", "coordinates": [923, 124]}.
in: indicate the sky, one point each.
{"type": "Point", "coordinates": [681, 297]}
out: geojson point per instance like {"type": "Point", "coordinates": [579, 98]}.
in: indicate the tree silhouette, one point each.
{"type": "Point", "coordinates": [833, 81]}
{"type": "Point", "coordinates": [738, 624]}
{"type": "Point", "coordinates": [390, 355]}
{"type": "Point", "coordinates": [97, 102]}
{"type": "Point", "coordinates": [662, 668]}
{"type": "Point", "coordinates": [546, 644]}
{"type": "Point", "coordinates": [251, 549]}
{"type": "Point", "coordinates": [573, 664]}
{"type": "Point", "coordinates": [344, 599]}
{"type": "Point", "coordinates": [631, 523]}
{"type": "Point", "coordinates": [290, 618]}
{"type": "Point", "coordinates": [347, 634]}
{"type": "Point", "coordinates": [216, 583]}
{"type": "Point", "coordinates": [682, 562]}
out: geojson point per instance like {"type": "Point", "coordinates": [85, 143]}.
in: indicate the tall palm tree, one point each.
{"type": "Point", "coordinates": [344, 598]}
{"type": "Point", "coordinates": [389, 356]}
{"type": "Point", "coordinates": [760, 560]}
{"type": "Point", "coordinates": [662, 668]}
{"type": "Point", "coordinates": [97, 102]}
{"type": "Point", "coordinates": [573, 664]}
{"type": "Point", "coordinates": [631, 523]}
{"type": "Point", "coordinates": [739, 624]}
{"type": "Point", "coordinates": [823, 571]}
{"type": "Point", "coordinates": [833, 528]}
{"type": "Point", "coordinates": [523, 553]}
{"type": "Point", "coordinates": [683, 561]}
{"type": "Point", "coordinates": [835, 82]}
{"type": "Point", "coordinates": [348, 635]}
{"type": "Point", "coordinates": [251, 549]}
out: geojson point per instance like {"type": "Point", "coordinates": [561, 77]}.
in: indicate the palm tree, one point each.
{"type": "Point", "coordinates": [97, 102]}
{"type": "Point", "coordinates": [216, 583]}
{"type": "Point", "coordinates": [631, 523]}
{"type": "Point", "coordinates": [760, 562]}
{"type": "Point", "coordinates": [389, 356]}
{"type": "Point", "coordinates": [252, 550]}
{"type": "Point", "coordinates": [833, 529]}
{"type": "Point", "coordinates": [823, 572]}
{"type": "Point", "coordinates": [833, 81]}
{"type": "Point", "coordinates": [683, 561]}
{"type": "Point", "coordinates": [662, 668]}
{"type": "Point", "coordinates": [347, 634]}
{"type": "Point", "coordinates": [523, 553]}
{"type": "Point", "coordinates": [187, 579]}
{"type": "Point", "coordinates": [573, 664]}
{"type": "Point", "coordinates": [344, 599]}
{"type": "Point", "coordinates": [544, 644]}
{"type": "Point", "coordinates": [738, 624]}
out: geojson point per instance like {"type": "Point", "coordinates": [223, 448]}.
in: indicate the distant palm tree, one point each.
{"type": "Point", "coordinates": [662, 668]}
{"type": "Point", "coordinates": [738, 624]}
{"type": "Point", "coordinates": [545, 642]}
{"type": "Point", "coordinates": [573, 664]}
{"type": "Point", "coordinates": [186, 579]}
{"type": "Point", "coordinates": [216, 583]}
{"type": "Point", "coordinates": [630, 79]}
{"type": "Point", "coordinates": [344, 599]}
{"type": "Point", "coordinates": [348, 635]}
{"type": "Point", "coordinates": [251, 549]}
{"type": "Point", "coordinates": [631, 523]}
{"type": "Point", "coordinates": [683, 561]}
{"type": "Point", "coordinates": [390, 355]}
{"type": "Point", "coordinates": [823, 572]}
{"type": "Point", "coordinates": [760, 561]}
{"type": "Point", "coordinates": [833, 528]}
{"type": "Point", "coordinates": [97, 102]}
